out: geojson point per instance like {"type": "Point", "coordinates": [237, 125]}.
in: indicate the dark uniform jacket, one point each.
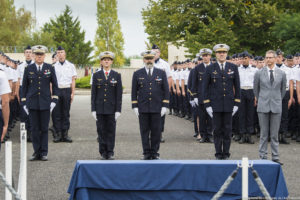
{"type": "Point", "coordinates": [106, 93]}
{"type": "Point", "coordinates": [149, 95]}
{"type": "Point", "coordinates": [221, 90]}
{"type": "Point", "coordinates": [190, 84]}
{"type": "Point", "coordinates": [197, 82]}
{"type": "Point", "coordinates": [36, 94]}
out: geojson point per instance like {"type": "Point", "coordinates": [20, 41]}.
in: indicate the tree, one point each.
{"type": "Point", "coordinates": [108, 35]}
{"type": "Point", "coordinates": [242, 24]}
{"type": "Point", "coordinates": [67, 33]}
{"type": "Point", "coordinates": [13, 23]}
{"type": "Point", "coordinates": [38, 37]}
{"type": "Point", "coordinates": [287, 31]}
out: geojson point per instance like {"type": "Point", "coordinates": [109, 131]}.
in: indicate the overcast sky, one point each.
{"type": "Point", "coordinates": [129, 13]}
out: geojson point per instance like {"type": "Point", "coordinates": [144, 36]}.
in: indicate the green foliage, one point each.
{"type": "Point", "coordinates": [109, 36]}
{"type": "Point", "coordinates": [287, 31]}
{"type": "Point", "coordinates": [68, 34]}
{"type": "Point", "coordinates": [38, 37]}
{"type": "Point", "coordinates": [195, 24]}
{"type": "Point", "coordinates": [13, 23]}
{"type": "Point", "coordinates": [83, 82]}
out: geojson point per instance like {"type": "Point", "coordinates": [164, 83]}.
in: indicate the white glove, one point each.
{"type": "Point", "coordinates": [192, 103]}
{"type": "Point", "coordinates": [235, 109]}
{"type": "Point", "coordinates": [163, 111]}
{"type": "Point", "coordinates": [94, 115]}
{"type": "Point", "coordinates": [117, 115]}
{"type": "Point", "coordinates": [196, 101]}
{"type": "Point", "coordinates": [52, 105]}
{"type": "Point", "coordinates": [26, 110]}
{"type": "Point", "coordinates": [209, 111]}
{"type": "Point", "coordinates": [136, 110]}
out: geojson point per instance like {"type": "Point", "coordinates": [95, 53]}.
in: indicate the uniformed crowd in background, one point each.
{"type": "Point", "coordinates": [216, 94]}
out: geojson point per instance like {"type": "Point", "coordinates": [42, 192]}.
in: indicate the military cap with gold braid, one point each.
{"type": "Point", "coordinates": [107, 54]}
{"type": "Point", "coordinates": [221, 47]}
{"type": "Point", "coordinates": [39, 49]}
{"type": "Point", "coordinates": [148, 54]}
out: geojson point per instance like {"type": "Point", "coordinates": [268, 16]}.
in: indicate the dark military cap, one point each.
{"type": "Point", "coordinates": [297, 54]}
{"type": "Point", "coordinates": [60, 48]}
{"type": "Point", "coordinates": [228, 58]}
{"type": "Point", "coordinates": [289, 57]}
{"type": "Point", "coordinates": [188, 61]}
{"type": "Point", "coordinates": [155, 46]}
{"type": "Point", "coordinates": [199, 58]}
{"type": "Point", "coordinates": [260, 58]}
{"type": "Point", "coordinates": [279, 52]}
{"type": "Point", "coordinates": [53, 56]}
{"type": "Point", "coordinates": [28, 48]}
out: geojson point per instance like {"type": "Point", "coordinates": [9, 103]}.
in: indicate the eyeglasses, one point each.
{"type": "Point", "coordinates": [269, 57]}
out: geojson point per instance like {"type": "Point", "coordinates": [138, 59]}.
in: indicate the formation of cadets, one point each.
{"type": "Point", "coordinates": [216, 94]}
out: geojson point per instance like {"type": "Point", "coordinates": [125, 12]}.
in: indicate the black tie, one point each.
{"type": "Point", "coordinates": [39, 68]}
{"type": "Point", "coordinates": [271, 77]}
{"type": "Point", "coordinates": [149, 73]}
{"type": "Point", "coordinates": [222, 67]}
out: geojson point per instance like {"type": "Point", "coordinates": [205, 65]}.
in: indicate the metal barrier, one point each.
{"type": "Point", "coordinates": [245, 166]}
{"type": "Point", "coordinates": [7, 180]}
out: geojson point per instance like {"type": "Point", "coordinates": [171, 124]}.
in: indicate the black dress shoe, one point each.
{"type": "Point", "coordinates": [34, 157]}
{"type": "Point", "coordinates": [103, 157]}
{"type": "Point", "coordinates": [219, 157]}
{"type": "Point", "coordinates": [146, 157]}
{"type": "Point", "coordinates": [277, 161]}
{"type": "Point", "coordinates": [243, 140]}
{"type": "Point", "coordinates": [110, 157]}
{"type": "Point", "coordinates": [156, 157]}
{"type": "Point", "coordinates": [44, 158]}
{"type": "Point", "coordinates": [195, 135]}
{"type": "Point", "coordinates": [209, 140]}
{"type": "Point", "coordinates": [65, 137]}
{"type": "Point", "coordinates": [249, 139]}
{"type": "Point", "coordinates": [237, 138]}
{"type": "Point", "coordinates": [162, 140]}
{"type": "Point", "coordinates": [202, 140]}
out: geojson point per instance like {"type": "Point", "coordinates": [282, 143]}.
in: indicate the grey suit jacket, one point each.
{"type": "Point", "coordinates": [269, 96]}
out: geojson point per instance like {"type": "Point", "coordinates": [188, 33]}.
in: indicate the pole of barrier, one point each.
{"type": "Point", "coordinates": [22, 185]}
{"type": "Point", "coordinates": [245, 168]}
{"type": "Point", "coordinates": [8, 168]}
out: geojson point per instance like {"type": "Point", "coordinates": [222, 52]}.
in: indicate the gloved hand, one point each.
{"type": "Point", "coordinates": [163, 111]}
{"type": "Point", "coordinates": [94, 115]}
{"type": "Point", "coordinates": [136, 110]}
{"type": "Point", "coordinates": [52, 106]}
{"type": "Point", "coordinates": [209, 111]}
{"type": "Point", "coordinates": [196, 101]}
{"type": "Point", "coordinates": [235, 109]}
{"type": "Point", "coordinates": [192, 103]}
{"type": "Point", "coordinates": [26, 110]}
{"type": "Point", "coordinates": [117, 115]}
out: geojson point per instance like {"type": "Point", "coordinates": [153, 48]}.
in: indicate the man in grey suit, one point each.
{"type": "Point", "coordinates": [269, 90]}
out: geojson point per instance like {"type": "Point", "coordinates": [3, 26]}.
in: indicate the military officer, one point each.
{"type": "Point", "coordinates": [66, 75]}
{"type": "Point", "coordinates": [205, 123]}
{"type": "Point", "coordinates": [37, 101]}
{"type": "Point", "coordinates": [150, 99]}
{"type": "Point", "coordinates": [246, 109]}
{"type": "Point", "coordinates": [21, 68]}
{"type": "Point", "coordinates": [221, 88]}
{"type": "Point", "coordinates": [106, 101]}
{"type": "Point", "coordinates": [163, 65]}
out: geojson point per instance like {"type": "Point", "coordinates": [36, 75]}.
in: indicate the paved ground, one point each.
{"type": "Point", "coordinates": [50, 180]}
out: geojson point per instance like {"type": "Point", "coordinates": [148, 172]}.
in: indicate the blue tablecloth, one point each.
{"type": "Point", "coordinates": [169, 179]}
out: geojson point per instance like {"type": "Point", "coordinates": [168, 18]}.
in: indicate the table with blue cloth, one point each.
{"type": "Point", "coordinates": [169, 179]}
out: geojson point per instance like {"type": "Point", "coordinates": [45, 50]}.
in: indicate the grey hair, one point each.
{"type": "Point", "coordinates": [272, 52]}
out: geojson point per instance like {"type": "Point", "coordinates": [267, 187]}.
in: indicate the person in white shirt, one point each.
{"type": "Point", "coordinates": [66, 75]}
{"type": "Point", "coordinates": [163, 65]}
{"type": "Point", "coordinates": [246, 109]}
{"type": "Point", "coordinates": [4, 105]}
{"type": "Point", "coordinates": [294, 110]}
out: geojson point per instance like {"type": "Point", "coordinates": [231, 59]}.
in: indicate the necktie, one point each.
{"type": "Point", "coordinates": [39, 68]}
{"type": "Point", "coordinates": [149, 72]}
{"type": "Point", "coordinates": [222, 67]}
{"type": "Point", "coordinates": [106, 74]}
{"type": "Point", "coordinates": [271, 77]}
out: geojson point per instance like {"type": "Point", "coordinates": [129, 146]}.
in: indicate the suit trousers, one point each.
{"type": "Point", "coordinates": [150, 130]}
{"type": "Point", "coordinates": [39, 120]}
{"type": "Point", "coordinates": [61, 112]}
{"type": "Point", "coordinates": [205, 122]}
{"type": "Point", "coordinates": [222, 134]}
{"type": "Point", "coordinates": [106, 129]}
{"type": "Point", "coordinates": [269, 122]}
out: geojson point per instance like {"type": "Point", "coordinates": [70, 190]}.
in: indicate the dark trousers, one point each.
{"type": "Point", "coordinates": [195, 116]}
{"type": "Point", "coordinates": [172, 101]}
{"type": "Point", "coordinates": [106, 129]}
{"type": "Point", "coordinates": [150, 129]}
{"type": "Point", "coordinates": [284, 123]}
{"type": "Point", "coordinates": [39, 120]}
{"type": "Point", "coordinates": [186, 102]}
{"type": "Point", "coordinates": [246, 112]}
{"type": "Point", "coordinates": [1, 126]}
{"type": "Point", "coordinates": [205, 122]}
{"type": "Point", "coordinates": [23, 116]}
{"type": "Point", "coordinates": [180, 101]}
{"type": "Point", "coordinates": [162, 123]}
{"type": "Point", "coordinates": [61, 112]}
{"type": "Point", "coordinates": [294, 114]}
{"type": "Point", "coordinates": [222, 134]}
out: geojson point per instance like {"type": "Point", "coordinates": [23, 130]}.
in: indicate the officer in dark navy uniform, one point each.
{"type": "Point", "coordinates": [150, 100]}
{"type": "Point", "coordinates": [205, 124]}
{"type": "Point", "coordinates": [106, 101]}
{"type": "Point", "coordinates": [37, 101]}
{"type": "Point", "coordinates": [221, 88]}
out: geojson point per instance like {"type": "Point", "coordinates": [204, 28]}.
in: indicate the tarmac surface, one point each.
{"type": "Point", "coordinates": [50, 180]}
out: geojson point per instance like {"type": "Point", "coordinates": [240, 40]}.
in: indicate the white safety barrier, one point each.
{"type": "Point", "coordinates": [8, 168]}
{"type": "Point", "coordinates": [245, 168]}
{"type": "Point", "coordinates": [22, 185]}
